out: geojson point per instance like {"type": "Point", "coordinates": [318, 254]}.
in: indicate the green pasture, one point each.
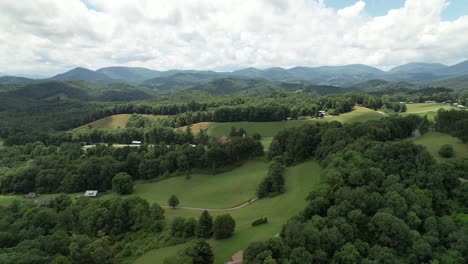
{"type": "Point", "coordinates": [425, 109]}
{"type": "Point", "coordinates": [300, 180]}
{"type": "Point", "coordinates": [222, 190]}
{"type": "Point", "coordinates": [434, 140]}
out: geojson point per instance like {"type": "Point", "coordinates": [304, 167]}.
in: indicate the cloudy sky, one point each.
{"type": "Point", "coordinates": [51, 36]}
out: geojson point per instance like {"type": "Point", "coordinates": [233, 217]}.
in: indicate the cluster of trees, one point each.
{"type": "Point", "coordinates": [273, 184]}
{"type": "Point", "coordinates": [69, 168]}
{"type": "Point", "coordinates": [222, 227]}
{"type": "Point", "coordinates": [86, 231]}
{"type": "Point", "coordinates": [453, 122]}
{"type": "Point", "coordinates": [318, 140]}
{"type": "Point", "coordinates": [381, 200]}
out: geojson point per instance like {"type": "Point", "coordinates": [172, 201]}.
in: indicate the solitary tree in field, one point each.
{"type": "Point", "coordinates": [223, 226]}
{"type": "Point", "coordinates": [446, 151]}
{"type": "Point", "coordinates": [205, 225]}
{"type": "Point", "coordinates": [122, 183]}
{"type": "Point", "coordinates": [173, 201]}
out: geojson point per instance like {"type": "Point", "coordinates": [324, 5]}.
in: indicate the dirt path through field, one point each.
{"type": "Point", "coordinates": [215, 209]}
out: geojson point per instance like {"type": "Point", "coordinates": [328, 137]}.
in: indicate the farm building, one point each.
{"type": "Point", "coordinates": [237, 258]}
{"type": "Point", "coordinates": [137, 142]}
{"type": "Point", "coordinates": [461, 106]}
{"type": "Point", "coordinates": [90, 193]}
{"type": "Point", "coordinates": [32, 195]}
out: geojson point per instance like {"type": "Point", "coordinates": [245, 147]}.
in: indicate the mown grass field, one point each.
{"type": "Point", "coordinates": [270, 129]}
{"type": "Point", "coordinates": [434, 140]}
{"type": "Point", "coordinates": [425, 109]}
{"type": "Point", "coordinates": [116, 121]}
{"type": "Point", "coordinates": [222, 190]}
{"type": "Point", "coordinates": [300, 180]}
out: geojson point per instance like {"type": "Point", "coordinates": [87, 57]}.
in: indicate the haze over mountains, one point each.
{"type": "Point", "coordinates": [347, 75]}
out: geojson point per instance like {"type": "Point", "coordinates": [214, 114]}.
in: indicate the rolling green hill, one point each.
{"type": "Point", "coordinates": [180, 81]}
{"type": "Point", "coordinates": [129, 74]}
{"type": "Point", "coordinates": [84, 91]}
{"type": "Point", "coordinates": [457, 83]}
{"type": "Point", "coordinates": [15, 80]}
{"type": "Point", "coordinates": [414, 67]}
{"type": "Point", "coordinates": [229, 85]}
{"type": "Point", "coordinates": [82, 74]}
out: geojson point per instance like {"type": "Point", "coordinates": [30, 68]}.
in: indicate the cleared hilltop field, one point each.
{"type": "Point", "coordinates": [299, 180]}
{"type": "Point", "coordinates": [116, 121]}
{"type": "Point", "coordinates": [425, 109]}
{"type": "Point", "coordinates": [270, 129]}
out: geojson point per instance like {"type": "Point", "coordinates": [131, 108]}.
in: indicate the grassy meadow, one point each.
{"type": "Point", "coordinates": [222, 190]}
{"type": "Point", "coordinates": [434, 140]}
{"type": "Point", "coordinates": [425, 109]}
{"type": "Point", "coordinates": [270, 129]}
{"type": "Point", "coordinates": [299, 181]}
{"type": "Point", "coordinates": [116, 121]}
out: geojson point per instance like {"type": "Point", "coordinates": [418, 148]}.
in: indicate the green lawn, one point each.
{"type": "Point", "coordinates": [270, 129]}
{"type": "Point", "coordinates": [300, 180]}
{"type": "Point", "coordinates": [221, 190]}
{"type": "Point", "coordinates": [160, 254]}
{"type": "Point", "coordinates": [8, 199]}
{"type": "Point", "coordinates": [434, 140]}
{"type": "Point", "coordinates": [425, 109]}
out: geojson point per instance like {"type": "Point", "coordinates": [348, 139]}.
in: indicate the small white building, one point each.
{"type": "Point", "coordinates": [461, 106]}
{"type": "Point", "coordinates": [136, 142]}
{"type": "Point", "coordinates": [90, 193]}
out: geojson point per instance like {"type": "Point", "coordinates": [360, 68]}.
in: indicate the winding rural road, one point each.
{"type": "Point", "coordinates": [215, 209]}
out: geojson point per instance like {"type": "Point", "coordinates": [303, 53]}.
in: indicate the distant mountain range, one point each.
{"type": "Point", "coordinates": [429, 74]}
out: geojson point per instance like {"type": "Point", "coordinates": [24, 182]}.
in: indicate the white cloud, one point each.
{"type": "Point", "coordinates": [49, 36]}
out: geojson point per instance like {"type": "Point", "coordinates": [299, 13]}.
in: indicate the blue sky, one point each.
{"type": "Point", "coordinates": [455, 9]}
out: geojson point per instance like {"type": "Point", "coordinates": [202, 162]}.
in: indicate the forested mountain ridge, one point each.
{"type": "Point", "coordinates": [328, 75]}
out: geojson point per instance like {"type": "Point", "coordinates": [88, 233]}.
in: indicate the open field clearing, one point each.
{"type": "Point", "coordinates": [270, 129]}
{"type": "Point", "coordinates": [197, 127]}
{"type": "Point", "coordinates": [425, 109]}
{"type": "Point", "coordinates": [299, 180]}
{"type": "Point", "coordinates": [434, 140]}
{"type": "Point", "coordinates": [116, 121]}
{"type": "Point", "coordinates": [224, 190]}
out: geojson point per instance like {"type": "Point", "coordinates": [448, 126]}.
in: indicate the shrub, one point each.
{"type": "Point", "coordinates": [446, 151]}
{"type": "Point", "coordinates": [260, 221]}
